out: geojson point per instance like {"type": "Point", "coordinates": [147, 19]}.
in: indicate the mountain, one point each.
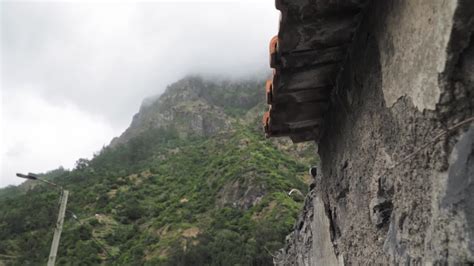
{"type": "Point", "coordinates": [192, 181]}
{"type": "Point", "coordinates": [193, 106]}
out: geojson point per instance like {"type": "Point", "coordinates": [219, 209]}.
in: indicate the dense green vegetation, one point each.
{"type": "Point", "coordinates": [160, 199]}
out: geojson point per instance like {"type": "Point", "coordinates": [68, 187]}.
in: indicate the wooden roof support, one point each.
{"type": "Point", "coordinates": [306, 57]}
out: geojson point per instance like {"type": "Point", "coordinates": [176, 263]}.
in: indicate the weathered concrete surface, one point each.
{"type": "Point", "coordinates": [310, 243]}
{"type": "Point", "coordinates": [404, 83]}
{"type": "Point", "coordinates": [415, 44]}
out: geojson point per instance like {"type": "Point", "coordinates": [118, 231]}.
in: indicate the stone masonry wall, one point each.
{"type": "Point", "coordinates": [397, 182]}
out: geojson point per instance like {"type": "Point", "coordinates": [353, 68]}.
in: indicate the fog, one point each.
{"type": "Point", "coordinates": [73, 74]}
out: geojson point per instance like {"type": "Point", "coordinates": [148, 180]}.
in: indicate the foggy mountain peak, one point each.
{"type": "Point", "coordinates": [210, 104]}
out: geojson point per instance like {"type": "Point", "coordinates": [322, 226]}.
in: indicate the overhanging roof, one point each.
{"type": "Point", "coordinates": [306, 56]}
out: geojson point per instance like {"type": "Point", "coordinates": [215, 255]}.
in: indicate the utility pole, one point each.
{"type": "Point", "coordinates": [62, 211]}
{"type": "Point", "coordinates": [58, 229]}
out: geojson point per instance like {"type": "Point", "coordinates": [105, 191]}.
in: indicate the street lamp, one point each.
{"type": "Point", "coordinates": [32, 176]}
{"type": "Point", "coordinates": [62, 211]}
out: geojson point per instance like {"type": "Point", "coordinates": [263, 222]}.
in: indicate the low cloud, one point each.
{"type": "Point", "coordinates": [39, 136]}
{"type": "Point", "coordinates": [107, 57]}
{"type": "Point", "coordinates": [73, 74]}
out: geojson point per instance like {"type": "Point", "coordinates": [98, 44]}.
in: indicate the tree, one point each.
{"type": "Point", "coordinates": [82, 164]}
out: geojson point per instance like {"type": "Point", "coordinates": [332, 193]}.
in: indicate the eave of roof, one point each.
{"type": "Point", "coordinates": [306, 56]}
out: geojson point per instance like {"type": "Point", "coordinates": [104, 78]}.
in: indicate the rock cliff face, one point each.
{"type": "Point", "coordinates": [397, 160]}
{"type": "Point", "coordinates": [193, 106]}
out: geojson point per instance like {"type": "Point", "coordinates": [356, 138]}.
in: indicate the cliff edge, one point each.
{"type": "Point", "coordinates": [396, 149]}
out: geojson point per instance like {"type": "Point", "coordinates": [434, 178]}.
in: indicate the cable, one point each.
{"type": "Point", "coordinates": [426, 145]}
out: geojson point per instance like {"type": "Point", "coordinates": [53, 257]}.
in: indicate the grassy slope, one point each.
{"type": "Point", "coordinates": [160, 199]}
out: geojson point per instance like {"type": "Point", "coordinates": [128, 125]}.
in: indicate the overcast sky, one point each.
{"type": "Point", "coordinates": [73, 74]}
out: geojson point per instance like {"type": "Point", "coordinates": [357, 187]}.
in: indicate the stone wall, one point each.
{"type": "Point", "coordinates": [397, 182]}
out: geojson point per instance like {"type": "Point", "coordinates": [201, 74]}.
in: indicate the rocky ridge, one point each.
{"type": "Point", "coordinates": [193, 106]}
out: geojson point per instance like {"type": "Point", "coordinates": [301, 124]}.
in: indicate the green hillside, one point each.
{"type": "Point", "coordinates": [170, 190]}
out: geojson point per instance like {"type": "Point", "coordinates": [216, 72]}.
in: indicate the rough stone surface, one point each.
{"type": "Point", "coordinates": [415, 44]}
{"type": "Point", "coordinates": [409, 77]}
